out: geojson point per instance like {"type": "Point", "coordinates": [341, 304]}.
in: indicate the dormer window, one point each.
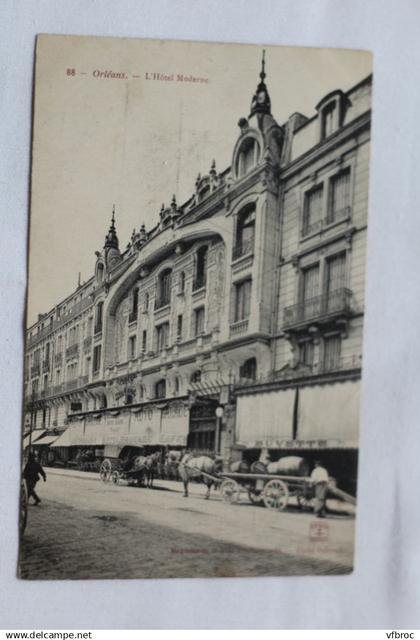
{"type": "Point", "coordinates": [331, 110]}
{"type": "Point", "coordinates": [248, 156]}
{"type": "Point", "coordinates": [328, 120]}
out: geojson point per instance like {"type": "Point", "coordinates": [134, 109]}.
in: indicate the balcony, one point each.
{"type": "Point", "coordinates": [72, 351]}
{"type": "Point", "coordinates": [243, 249]}
{"type": "Point", "coordinates": [87, 343]}
{"type": "Point", "coordinates": [238, 328]}
{"type": "Point", "coordinates": [83, 381]}
{"type": "Point", "coordinates": [58, 388]}
{"type": "Point", "coordinates": [72, 384]}
{"type": "Point", "coordinates": [58, 359]}
{"type": "Point", "coordinates": [164, 301]}
{"type": "Point", "coordinates": [333, 217]}
{"type": "Point", "coordinates": [319, 309]}
{"type": "Point", "coordinates": [35, 370]}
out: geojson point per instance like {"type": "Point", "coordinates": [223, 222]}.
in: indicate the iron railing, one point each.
{"type": "Point", "coordinates": [336, 302]}
{"type": "Point", "coordinates": [243, 249]}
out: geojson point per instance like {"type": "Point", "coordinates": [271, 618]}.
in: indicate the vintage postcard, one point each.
{"type": "Point", "coordinates": [193, 358]}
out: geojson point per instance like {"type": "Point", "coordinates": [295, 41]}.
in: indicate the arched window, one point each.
{"type": "Point", "coordinates": [200, 272]}
{"type": "Point", "coordinates": [163, 297]}
{"type": "Point", "coordinates": [249, 369]}
{"type": "Point", "coordinates": [196, 376]}
{"type": "Point", "coordinates": [160, 388]}
{"type": "Point", "coordinates": [248, 156]}
{"type": "Point", "coordinates": [245, 232]}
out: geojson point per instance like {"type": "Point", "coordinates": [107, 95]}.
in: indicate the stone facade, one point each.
{"type": "Point", "coordinates": [255, 285]}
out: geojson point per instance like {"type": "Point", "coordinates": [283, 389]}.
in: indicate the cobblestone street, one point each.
{"type": "Point", "coordinates": [87, 529]}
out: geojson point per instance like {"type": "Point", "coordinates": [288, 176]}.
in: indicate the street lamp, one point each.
{"type": "Point", "coordinates": [219, 415]}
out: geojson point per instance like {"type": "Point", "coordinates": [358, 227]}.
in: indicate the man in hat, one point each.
{"type": "Point", "coordinates": [319, 478]}
{"type": "Point", "coordinates": [31, 473]}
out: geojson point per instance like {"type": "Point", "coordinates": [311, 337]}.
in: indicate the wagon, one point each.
{"type": "Point", "coordinates": [115, 471]}
{"type": "Point", "coordinates": [274, 491]}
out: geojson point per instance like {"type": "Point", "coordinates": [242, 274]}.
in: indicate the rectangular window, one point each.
{"type": "Point", "coordinates": [98, 319]}
{"type": "Point", "coordinates": [134, 305]}
{"type": "Point", "coordinates": [312, 212]}
{"type": "Point", "coordinates": [310, 300]}
{"type": "Point", "coordinates": [199, 321]}
{"type": "Point", "coordinates": [179, 328]}
{"type": "Point", "coordinates": [132, 347]}
{"type": "Point", "coordinates": [242, 300]}
{"type": "Point", "coordinates": [144, 341]}
{"type": "Point", "coordinates": [97, 358]}
{"type": "Point", "coordinates": [339, 197]}
{"type": "Point", "coordinates": [328, 116]}
{"type": "Point", "coordinates": [162, 335]}
{"type": "Point", "coordinates": [306, 353]}
{"type": "Point", "coordinates": [332, 353]}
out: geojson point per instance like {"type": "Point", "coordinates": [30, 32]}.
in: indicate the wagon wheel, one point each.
{"type": "Point", "coordinates": [255, 498]}
{"type": "Point", "coordinates": [23, 508]}
{"type": "Point", "coordinates": [105, 470]}
{"type": "Point", "coordinates": [115, 477]}
{"type": "Point", "coordinates": [230, 490]}
{"type": "Point", "coordinates": [275, 495]}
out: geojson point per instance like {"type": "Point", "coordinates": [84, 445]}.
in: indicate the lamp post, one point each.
{"type": "Point", "coordinates": [219, 415]}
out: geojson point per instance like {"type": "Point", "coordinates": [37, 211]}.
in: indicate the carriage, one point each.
{"type": "Point", "coordinates": [138, 469]}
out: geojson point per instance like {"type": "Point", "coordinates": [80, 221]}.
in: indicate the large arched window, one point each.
{"type": "Point", "coordinates": [163, 297]}
{"type": "Point", "coordinates": [248, 156]}
{"type": "Point", "coordinates": [245, 232]}
{"type": "Point", "coordinates": [160, 388]}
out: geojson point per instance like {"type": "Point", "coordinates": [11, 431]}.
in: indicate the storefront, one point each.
{"type": "Point", "coordinates": [318, 421]}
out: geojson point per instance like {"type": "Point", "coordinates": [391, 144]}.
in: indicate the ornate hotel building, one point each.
{"type": "Point", "coordinates": [249, 297]}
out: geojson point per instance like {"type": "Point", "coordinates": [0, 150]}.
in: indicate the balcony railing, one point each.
{"type": "Point", "coordinates": [72, 351]}
{"type": "Point", "coordinates": [164, 301]}
{"type": "Point", "coordinates": [87, 343]}
{"type": "Point", "coordinates": [335, 303]}
{"type": "Point", "coordinates": [72, 384]}
{"type": "Point", "coordinates": [333, 216]}
{"type": "Point", "coordinates": [58, 359]}
{"type": "Point", "coordinates": [243, 249]}
{"type": "Point", "coordinates": [58, 388]}
{"type": "Point", "coordinates": [238, 328]}
{"type": "Point", "coordinates": [83, 380]}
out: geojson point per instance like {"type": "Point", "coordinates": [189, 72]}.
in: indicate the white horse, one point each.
{"type": "Point", "coordinates": [193, 467]}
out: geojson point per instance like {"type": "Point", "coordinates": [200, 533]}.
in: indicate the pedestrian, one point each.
{"type": "Point", "coordinates": [32, 473]}
{"type": "Point", "coordinates": [320, 478]}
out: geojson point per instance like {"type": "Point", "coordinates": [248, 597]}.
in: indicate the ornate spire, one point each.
{"type": "Point", "coordinates": [261, 100]}
{"type": "Point", "coordinates": [111, 238]}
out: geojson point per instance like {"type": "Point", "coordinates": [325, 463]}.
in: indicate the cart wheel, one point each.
{"type": "Point", "coordinates": [115, 477]}
{"type": "Point", "coordinates": [255, 498]}
{"type": "Point", "coordinates": [275, 495]}
{"type": "Point", "coordinates": [23, 507]}
{"type": "Point", "coordinates": [105, 470]}
{"type": "Point", "coordinates": [230, 490]}
{"type": "Point", "coordinates": [304, 498]}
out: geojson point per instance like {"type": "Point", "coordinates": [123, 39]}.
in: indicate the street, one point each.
{"type": "Point", "coordinates": [87, 529]}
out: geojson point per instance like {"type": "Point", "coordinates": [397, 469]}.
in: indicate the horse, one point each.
{"type": "Point", "coordinates": [146, 467]}
{"type": "Point", "coordinates": [192, 467]}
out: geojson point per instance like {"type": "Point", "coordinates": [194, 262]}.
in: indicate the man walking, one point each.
{"type": "Point", "coordinates": [31, 473]}
{"type": "Point", "coordinates": [319, 477]}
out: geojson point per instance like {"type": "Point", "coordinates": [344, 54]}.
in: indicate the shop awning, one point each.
{"type": "Point", "coordinates": [46, 440]}
{"type": "Point", "coordinates": [330, 413]}
{"type": "Point", "coordinates": [36, 434]}
{"type": "Point", "coordinates": [265, 419]}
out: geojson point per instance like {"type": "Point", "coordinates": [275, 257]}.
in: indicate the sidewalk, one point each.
{"type": "Point", "coordinates": [334, 506]}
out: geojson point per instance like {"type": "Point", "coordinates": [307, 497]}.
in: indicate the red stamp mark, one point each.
{"type": "Point", "coordinates": [318, 531]}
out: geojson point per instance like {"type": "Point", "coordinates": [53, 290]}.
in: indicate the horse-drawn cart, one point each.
{"type": "Point", "coordinates": [138, 470]}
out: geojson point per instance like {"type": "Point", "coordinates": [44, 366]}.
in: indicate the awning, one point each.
{"type": "Point", "coordinates": [330, 413]}
{"type": "Point", "coordinates": [36, 434]}
{"type": "Point", "coordinates": [46, 440]}
{"type": "Point", "coordinates": [265, 419]}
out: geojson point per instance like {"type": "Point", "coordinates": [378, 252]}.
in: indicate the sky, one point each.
{"type": "Point", "coordinates": [110, 133]}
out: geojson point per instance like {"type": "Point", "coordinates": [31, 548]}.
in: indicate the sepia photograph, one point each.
{"type": "Point", "coordinates": [195, 309]}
